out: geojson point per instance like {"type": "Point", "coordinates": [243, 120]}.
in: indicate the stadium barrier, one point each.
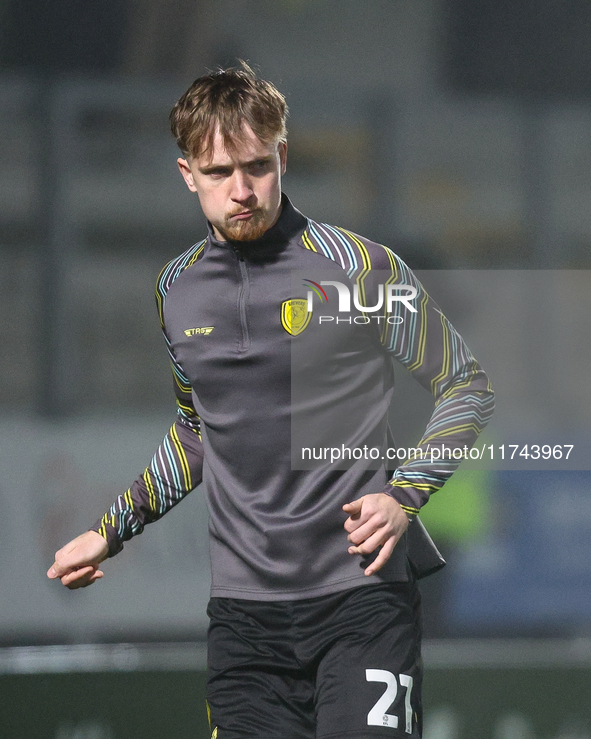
{"type": "Point", "coordinates": [474, 689]}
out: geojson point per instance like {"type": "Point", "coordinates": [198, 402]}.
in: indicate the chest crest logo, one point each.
{"type": "Point", "coordinates": [295, 315]}
{"type": "Point", "coordinates": [205, 331]}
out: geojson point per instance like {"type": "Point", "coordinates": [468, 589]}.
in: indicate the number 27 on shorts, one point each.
{"type": "Point", "coordinates": [378, 716]}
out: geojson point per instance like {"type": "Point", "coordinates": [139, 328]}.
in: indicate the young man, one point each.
{"type": "Point", "coordinates": [314, 615]}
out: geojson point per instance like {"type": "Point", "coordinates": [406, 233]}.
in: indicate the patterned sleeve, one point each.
{"type": "Point", "coordinates": [175, 469]}
{"type": "Point", "coordinates": [428, 346]}
{"type": "Point", "coordinates": [435, 354]}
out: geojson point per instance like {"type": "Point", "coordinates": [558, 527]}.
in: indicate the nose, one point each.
{"type": "Point", "coordinates": [242, 189]}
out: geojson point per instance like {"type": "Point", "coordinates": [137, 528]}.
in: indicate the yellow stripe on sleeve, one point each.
{"type": "Point", "coordinates": [182, 458]}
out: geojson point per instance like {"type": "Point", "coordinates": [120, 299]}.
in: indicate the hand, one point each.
{"type": "Point", "coordinates": [76, 564]}
{"type": "Point", "coordinates": [375, 520]}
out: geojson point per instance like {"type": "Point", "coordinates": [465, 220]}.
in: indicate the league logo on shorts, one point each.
{"type": "Point", "coordinates": [295, 315]}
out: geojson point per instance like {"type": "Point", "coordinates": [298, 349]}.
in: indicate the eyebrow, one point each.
{"type": "Point", "coordinates": [209, 168]}
{"type": "Point", "coordinates": [214, 168]}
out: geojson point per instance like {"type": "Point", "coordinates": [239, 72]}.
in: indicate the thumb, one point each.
{"type": "Point", "coordinates": [57, 570]}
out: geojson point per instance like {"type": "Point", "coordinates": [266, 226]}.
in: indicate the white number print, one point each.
{"type": "Point", "coordinates": [378, 716]}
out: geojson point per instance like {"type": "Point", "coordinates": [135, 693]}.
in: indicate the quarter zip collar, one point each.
{"type": "Point", "coordinates": [289, 226]}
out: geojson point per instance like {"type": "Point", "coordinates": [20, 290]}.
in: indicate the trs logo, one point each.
{"type": "Point", "coordinates": [397, 293]}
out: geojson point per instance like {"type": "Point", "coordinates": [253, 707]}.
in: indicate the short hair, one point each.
{"type": "Point", "coordinates": [226, 100]}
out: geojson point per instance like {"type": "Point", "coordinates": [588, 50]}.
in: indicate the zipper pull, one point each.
{"type": "Point", "coordinates": [238, 253]}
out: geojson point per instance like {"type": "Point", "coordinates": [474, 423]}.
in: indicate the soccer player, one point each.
{"type": "Point", "coordinates": [282, 328]}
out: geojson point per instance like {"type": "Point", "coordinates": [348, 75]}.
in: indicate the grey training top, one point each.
{"type": "Point", "coordinates": [258, 376]}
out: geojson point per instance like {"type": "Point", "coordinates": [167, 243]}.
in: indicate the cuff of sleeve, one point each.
{"type": "Point", "coordinates": [405, 500]}
{"type": "Point", "coordinates": [110, 535]}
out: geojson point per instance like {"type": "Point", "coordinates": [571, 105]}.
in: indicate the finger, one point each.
{"type": "Point", "coordinates": [383, 556]}
{"type": "Point", "coordinates": [64, 562]}
{"type": "Point", "coordinates": [80, 578]}
{"type": "Point", "coordinates": [370, 544]}
{"type": "Point", "coordinates": [94, 577]}
{"type": "Point", "coordinates": [359, 519]}
{"type": "Point", "coordinates": [77, 576]}
{"type": "Point", "coordinates": [58, 569]}
{"type": "Point", "coordinates": [361, 532]}
{"type": "Point", "coordinates": [353, 508]}
{"type": "Point", "coordinates": [365, 529]}
{"type": "Point", "coordinates": [354, 522]}
{"type": "Point", "coordinates": [82, 583]}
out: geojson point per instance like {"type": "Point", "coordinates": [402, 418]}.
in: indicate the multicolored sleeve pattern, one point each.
{"type": "Point", "coordinates": [431, 349]}
{"type": "Point", "coordinates": [436, 355]}
{"type": "Point", "coordinates": [176, 467]}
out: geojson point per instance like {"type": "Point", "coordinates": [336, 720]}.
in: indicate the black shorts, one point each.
{"type": "Point", "coordinates": [342, 665]}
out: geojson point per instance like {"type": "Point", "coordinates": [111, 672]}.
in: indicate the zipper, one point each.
{"type": "Point", "coordinates": [243, 294]}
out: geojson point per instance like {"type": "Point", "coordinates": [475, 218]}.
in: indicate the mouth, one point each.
{"type": "Point", "coordinates": [242, 216]}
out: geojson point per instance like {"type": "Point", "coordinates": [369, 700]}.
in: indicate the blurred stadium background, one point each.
{"type": "Point", "coordinates": [456, 131]}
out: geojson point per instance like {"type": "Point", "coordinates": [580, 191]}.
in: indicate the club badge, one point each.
{"type": "Point", "coordinates": [295, 315]}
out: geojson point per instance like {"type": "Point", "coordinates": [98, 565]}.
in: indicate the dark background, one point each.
{"type": "Point", "coordinates": [458, 132]}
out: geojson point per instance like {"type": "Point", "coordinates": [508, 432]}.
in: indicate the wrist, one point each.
{"type": "Point", "coordinates": [410, 511]}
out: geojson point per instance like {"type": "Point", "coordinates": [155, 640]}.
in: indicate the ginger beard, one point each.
{"type": "Point", "coordinates": [244, 229]}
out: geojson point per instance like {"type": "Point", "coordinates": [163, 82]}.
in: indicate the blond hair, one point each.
{"type": "Point", "coordinates": [225, 101]}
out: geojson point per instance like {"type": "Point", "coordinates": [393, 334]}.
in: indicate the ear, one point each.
{"type": "Point", "coordinates": [282, 148]}
{"type": "Point", "coordinates": [185, 170]}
